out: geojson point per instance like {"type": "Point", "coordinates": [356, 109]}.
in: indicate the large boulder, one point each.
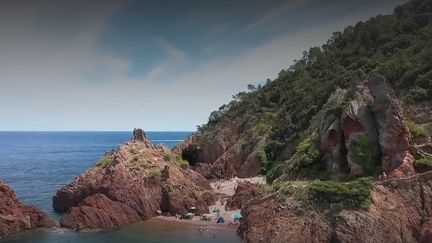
{"type": "Point", "coordinates": [129, 185]}
{"type": "Point", "coordinates": [244, 192]}
{"type": "Point", "coordinates": [16, 217]}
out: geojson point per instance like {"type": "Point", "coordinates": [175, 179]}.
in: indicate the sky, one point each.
{"type": "Point", "coordinates": [93, 65]}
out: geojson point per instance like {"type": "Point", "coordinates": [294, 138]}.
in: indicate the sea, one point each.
{"type": "Point", "coordinates": [37, 164]}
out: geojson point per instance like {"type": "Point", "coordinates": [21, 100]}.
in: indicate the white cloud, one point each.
{"type": "Point", "coordinates": [174, 58]}
{"type": "Point", "coordinates": [41, 78]}
{"type": "Point", "coordinates": [274, 12]}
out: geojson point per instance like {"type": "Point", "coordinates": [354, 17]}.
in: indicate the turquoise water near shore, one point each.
{"type": "Point", "coordinates": [36, 164]}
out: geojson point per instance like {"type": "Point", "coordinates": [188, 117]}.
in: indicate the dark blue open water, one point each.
{"type": "Point", "coordinates": [36, 164]}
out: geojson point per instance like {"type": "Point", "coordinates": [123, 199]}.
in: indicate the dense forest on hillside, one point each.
{"type": "Point", "coordinates": [397, 46]}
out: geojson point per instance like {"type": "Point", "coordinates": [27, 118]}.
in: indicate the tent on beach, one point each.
{"type": "Point", "coordinates": [221, 220]}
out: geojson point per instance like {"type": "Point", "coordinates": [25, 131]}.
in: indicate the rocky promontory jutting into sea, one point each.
{"type": "Point", "coordinates": [131, 184]}
{"type": "Point", "coordinates": [15, 217]}
{"type": "Point", "coordinates": [336, 148]}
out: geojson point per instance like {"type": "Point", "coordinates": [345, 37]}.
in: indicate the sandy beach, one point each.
{"type": "Point", "coordinates": [224, 189]}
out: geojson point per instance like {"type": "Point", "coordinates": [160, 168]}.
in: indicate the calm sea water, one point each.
{"type": "Point", "coordinates": [36, 164]}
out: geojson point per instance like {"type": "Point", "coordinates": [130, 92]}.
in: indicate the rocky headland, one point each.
{"type": "Point", "coordinates": [133, 183]}
{"type": "Point", "coordinates": [16, 217]}
{"type": "Point", "coordinates": [343, 137]}
{"type": "Point", "coordinates": [360, 131]}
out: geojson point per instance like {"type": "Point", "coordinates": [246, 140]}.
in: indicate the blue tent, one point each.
{"type": "Point", "coordinates": [221, 220]}
{"type": "Point", "coordinates": [237, 216]}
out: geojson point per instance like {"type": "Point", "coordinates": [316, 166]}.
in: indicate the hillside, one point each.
{"type": "Point", "coordinates": [268, 127]}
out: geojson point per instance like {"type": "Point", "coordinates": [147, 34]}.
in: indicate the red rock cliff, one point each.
{"type": "Point", "coordinates": [129, 185]}
{"type": "Point", "coordinates": [16, 217]}
{"type": "Point", "coordinates": [400, 212]}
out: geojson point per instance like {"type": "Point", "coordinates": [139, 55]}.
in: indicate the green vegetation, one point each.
{"type": "Point", "coordinates": [305, 163]}
{"type": "Point", "coordinates": [106, 160]}
{"type": "Point", "coordinates": [329, 197]}
{"type": "Point", "coordinates": [423, 164]}
{"type": "Point", "coordinates": [417, 131]}
{"type": "Point", "coordinates": [183, 163]}
{"type": "Point", "coordinates": [285, 190]}
{"type": "Point", "coordinates": [155, 173]}
{"type": "Point", "coordinates": [304, 156]}
{"type": "Point", "coordinates": [397, 46]}
{"type": "Point", "coordinates": [169, 157]}
{"type": "Point", "coordinates": [335, 196]}
{"type": "Point", "coordinates": [361, 151]}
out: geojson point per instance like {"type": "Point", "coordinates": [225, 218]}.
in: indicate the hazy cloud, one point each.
{"type": "Point", "coordinates": [173, 58]}
{"type": "Point", "coordinates": [52, 57]}
{"type": "Point", "coordinates": [274, 12]}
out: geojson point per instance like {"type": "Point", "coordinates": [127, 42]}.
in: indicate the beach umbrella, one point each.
{"type": "Point", "coordinates": [237, 216]}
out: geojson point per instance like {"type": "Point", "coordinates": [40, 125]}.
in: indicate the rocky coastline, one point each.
{"type": "Point", "coordinates": [15, 217]}
{"type": "Point", "coordinates": [136, 182]}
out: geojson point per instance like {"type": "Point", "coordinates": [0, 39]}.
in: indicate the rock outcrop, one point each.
{"type": "Point", "coordinates": [244, 192]}
{"type": "Point", "coordinates": [221, 156]}
{"type": "Point", "coordinates": [359, 130]}
{"type": "Point", "coordinates": [16, 217]}
{"type": "Point", "coordinates": [129, 185]}
{"type": "Point", "coordinates": [400, 212]}
{"type": "Point", "coordinates": [362, 128]}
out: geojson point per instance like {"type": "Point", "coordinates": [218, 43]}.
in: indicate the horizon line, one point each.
{"type": "Point", "coordinates": [92, 131]}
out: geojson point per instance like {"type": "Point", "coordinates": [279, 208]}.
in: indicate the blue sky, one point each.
{"type": "Point", "coordinates": [158, 65]}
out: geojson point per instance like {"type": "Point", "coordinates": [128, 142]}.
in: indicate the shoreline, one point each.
{"type": "Point", "coordinates": [224, 188]}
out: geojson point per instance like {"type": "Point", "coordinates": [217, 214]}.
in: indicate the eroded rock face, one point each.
{"type": "Point", "coordinates": [362, 128]}
{"type": "Point", "coordinates": [269, 221]}
{"type": "Point", "coordinates": [16, 217]}
{"type": "Point", "coordinates": [400, 212]}
{"type": "Point", "coordinates": [394, 137]}
{"type": "Point", "coordinates": [139, 135]}
{"type": "Point", "coordinates": [129, 185]}
{"type": "Point", "coordinates": [244, 192]}
{"type": "Point", "coordinates": [220, 156]}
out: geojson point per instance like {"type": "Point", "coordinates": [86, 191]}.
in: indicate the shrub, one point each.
{"type": "Point", "coordinates": [184, 164]}
{"type": "Point", "coordinates": [305, 162]}
{"type": "Point", "coordinates": [416, 94]}
{"type": "Point", "coordinates": [360, 150]}
{"type": "Point", "coordinates": [106, 160]}
{"type": "Point", "coordinates": [424, 164]}
{"type": "Point", "coordinates": [155, 173]}
{"type": "Point", "coordinates": [262, 157]}
{"type": "Point", "coordinates": [417, 131]}
{"type": "Point", "coordinates": [347, 195]}
{"type": "Point", "coordinates": [274, 173]}
{"type": "Point", "coordinates": [169, 157]}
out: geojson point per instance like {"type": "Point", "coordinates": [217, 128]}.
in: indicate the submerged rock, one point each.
{"type": "Point", "coordinates": [131, 184]}
{"type": "Point", "coordinates": [16, 217]}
